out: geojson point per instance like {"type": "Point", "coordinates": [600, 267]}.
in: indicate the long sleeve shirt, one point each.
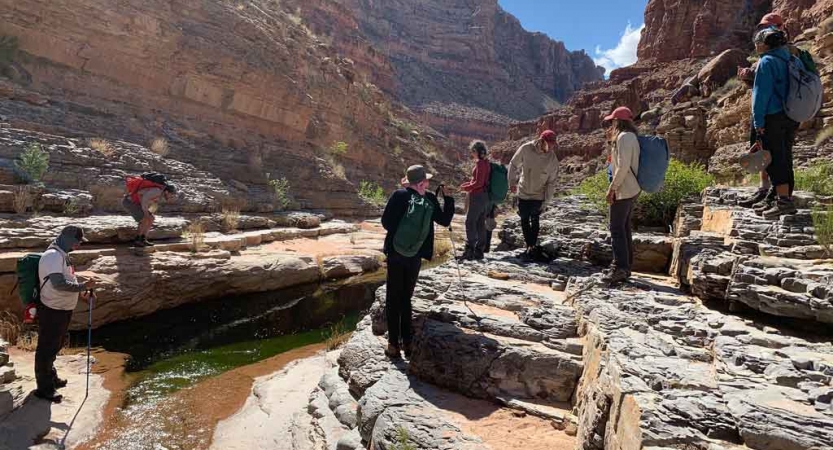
{"type": "Point", "coordinates": [770, 90]}
{"type": "Point", "coordinates": [396, 208]}
{"type": "Point", "coordinates": [479, 178]}
{"type": "Point", "coordinates": [535, 173]}
{"type": "Point", "coordinates": [625, 160]}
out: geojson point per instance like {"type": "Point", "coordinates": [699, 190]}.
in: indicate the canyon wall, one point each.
{"type": "Point", "coordinates": [470, 65]}
{"type": "Point", "coordinates": [243, 91]}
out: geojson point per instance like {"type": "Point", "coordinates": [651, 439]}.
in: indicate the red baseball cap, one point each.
{"type": "Point", "coordinates": [548, 136]}
{"type": "Point", "coordinates": [772, 20]}
{"type": "Point", "coordinates": [621, 113]}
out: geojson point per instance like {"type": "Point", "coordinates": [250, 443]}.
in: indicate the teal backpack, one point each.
{"type": "Point", "coordinates": [414, 227]}
{"type": "Point", "coordinates": [27, 279]}
{"type": "Point", "coordinates": [498, 184]}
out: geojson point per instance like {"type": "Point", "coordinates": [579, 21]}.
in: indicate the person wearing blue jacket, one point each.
{"type": "Point", "coordinates": [775, 130]}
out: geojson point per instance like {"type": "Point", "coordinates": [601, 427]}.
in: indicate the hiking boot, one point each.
{"type": "Point", "coordinates": [148, 243]}
{"type": "Point", "coordinates": [763, 205]}
{"type": "Point", "coordinates": [60, 383]}
{"type": "Point", "coordinates": [49, 396]}
{"type": "Point", "coordinates": [782, 207]}
{"type": "Point", "coordinates": [617, 276]}
{"type": "Point", "coordinates": [468, 254]}
{"type": "Point", "coordinates": [393, 352]}
{"type": "Point", "coordinates": [138, 242]}
{"type": "Point", "coordinates": [526, 256]}
{"type": "Point", "coordinates": [478, 255]}
{"type": "Point", "coordinates": [750, 201]}
{"type": "Point", "coordinates": [408, 348]}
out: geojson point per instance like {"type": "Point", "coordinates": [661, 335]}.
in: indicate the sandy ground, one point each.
{"type": "Point", "coordinates": [39, 421]}
{"type": "Point", "coordinates": [267, 418]}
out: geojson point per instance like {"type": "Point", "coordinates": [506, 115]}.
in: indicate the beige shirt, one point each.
{"type": "Point", "coordinates": [54, 260]}
{"type": "Point", "coordinates": [535, 173]}
{"type": "Point", "coordinates": [625, 160]}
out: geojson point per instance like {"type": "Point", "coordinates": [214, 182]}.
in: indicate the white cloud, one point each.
{"type": "Point", "coordinates": [624, 54]}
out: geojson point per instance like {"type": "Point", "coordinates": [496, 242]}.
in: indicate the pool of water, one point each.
{"type": "Point", "coordinates": [177, 348]}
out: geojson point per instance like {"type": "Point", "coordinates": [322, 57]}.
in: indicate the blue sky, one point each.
{"type": "Point", "coordinates": [607, 29]}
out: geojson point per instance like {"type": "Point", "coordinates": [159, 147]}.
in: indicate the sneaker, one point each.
{"type": "Point", "coordinates": [60, 383]}
{"type": "Point", "coordinates": [782, 207]}
{"type": "Point", "coordinates": [751, 200]}
{"type": "Point", "coordinates": [763, 205]}
{"type": "Point", "coordinates": [138, 243]}
{"type": "Point", "coordinates": [393, 352]}
{"type": "Point", "coordinates": [617, 276]}
{"type": "Point", "coordinates": [408, 350]}
{"type": "Point", "coordinates": [51, 397]}
{"type": "Point", "coordinates": [148, 243]}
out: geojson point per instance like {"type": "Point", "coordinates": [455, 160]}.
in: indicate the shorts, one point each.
{"type": "Point", "coordinates": [134, 209]}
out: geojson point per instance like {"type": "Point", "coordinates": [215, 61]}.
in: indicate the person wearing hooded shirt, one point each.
{"type": "Point", "coordinates": [775, 131]}
{"type": "Point", "coordinates": [58, 296]}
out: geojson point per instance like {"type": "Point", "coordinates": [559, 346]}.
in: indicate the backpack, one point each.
{"type": "Point", "coordinates": [414, 227]}
{"type": "Point", "coordinates": [498, 183]}
{"type": "Point", "coordinates": [29, 284]}
{"type": "Point", "coordinates": [144, 181]}
{"type": "Point", "coordinates": [804, 90]}
{"type": "Point", "coordinates": [654, 158]}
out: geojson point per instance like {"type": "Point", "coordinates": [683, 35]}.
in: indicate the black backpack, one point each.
{"type": "Point", "coordinates": [157, 178]}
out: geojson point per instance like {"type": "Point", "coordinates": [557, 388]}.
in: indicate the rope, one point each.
{"type": "Point", "coordinates": [460, 278]}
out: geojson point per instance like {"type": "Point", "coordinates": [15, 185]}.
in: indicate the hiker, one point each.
{"type": "Point", "coordinates": [774, 130]}
{"type": "Point", "coordinates": [491, 217]}
{"type": "Point", "coordinates": [143, 193]}
{"type": "Point", "coordinates": [478, 203]}
{"type": "Point", "coordinates": [533, 173]}
{"type": "Point", "coordinates": [58, 298]}
{"type": "Point", "coordinates": [409, 219]}
{"type": "Point", "coordinates": [765, 194]}
{"type": "Point", "coordinates": [623, 191]}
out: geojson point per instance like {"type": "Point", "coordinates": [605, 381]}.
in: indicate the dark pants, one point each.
{"type": "Point", "coordinates": [489, 233]}
{"type": "Point", "coordinates": [402, 278]}
{"type": "Point", "coordinates": [52, 327]}
{"type": "Point", "coordinates": [530, 212]}
{"type": "Point", "coordinates": [621, 233]}
{"type": "Point", "coordinates": [476, 234]}
{"type": "Point", "coordinates": [779, 139]}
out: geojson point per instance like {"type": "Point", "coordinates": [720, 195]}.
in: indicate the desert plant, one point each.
{"type": "Point", "coordinates": [22, 199]}
{"type": "Point", "coordinates": [11, 327]}
{"type": "Point", "coordinates": [160, 146]}
{"type": "Point", "coordinates": [402, 440]}
{"type": "Point", "coordinates": [195, 234]}
{"type": "Point", "coordinates": [230, 218]}
{"type": "Point", "coordinates": [102, 146]}
{"type": "Point", "coordinates": [824, 135]}
{"type": "Point", "coordinates": [397, 151]}
{"type": "Point", "coordinates": [32, 163]}
{"type": "Point", "coordinates": [338, 335]}
{"type": "Point", "coordinates": [72, 207]}
{"type": "Point", "coordinates": [681, 181]}
{"type": "Point", "coordinates": [338, 149]}
{"type": "Point", "coordinates": [336, 168]}
{"type": "Point", "coordinates": [823, 224]}
{"type": "Point", "coordinates": [726, 88]}
{"type": "Point", "coordinates": [372, 193]}
{"type": "Point", "coordinates": [280, 188]}
{"type": "Point", "coordinates": [817, 178]}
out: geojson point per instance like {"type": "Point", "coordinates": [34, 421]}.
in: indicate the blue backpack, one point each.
{"type": "Point", "coordinates": [654, 158]}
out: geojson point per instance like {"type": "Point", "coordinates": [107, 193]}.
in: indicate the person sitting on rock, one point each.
{"type": "Point", "coordinates": [140, 203]}
{"type": "Point", "coordinates": [479, 204]}
{"type": "Point", "coordinates": [774, 130]}
{"type": "Point", "coordinates": [623, 191]}
{"type": "Point", "coordinates": [58, 298]}
{"type": "Point", "coordinates": [533, 174]}
{"type": "Point", "coordinates": [765, 195]}
{"type": "Point", "coordinates": [409, 219]}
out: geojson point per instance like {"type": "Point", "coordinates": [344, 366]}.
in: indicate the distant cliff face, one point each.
{"type": "Point", "coordinates": [470, 56]}
{"type": "Point", "coordinates": [678, 29]}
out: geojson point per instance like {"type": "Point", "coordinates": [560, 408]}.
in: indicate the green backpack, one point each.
{"type": "Point", "coordinates": [807, 59]}
{"type": "Point", "coordinates": [498, 184]}
{"type": "Point", "coordinates": [27, 278]}
{"type": "Point", "coordinates": [414, 227]}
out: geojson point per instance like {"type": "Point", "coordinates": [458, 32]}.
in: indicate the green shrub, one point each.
{"type": "Point", "coordinates": [372, 193]}
{"type": "Point", "coordinates": [32, 164]}
{"type": "Point", "coordinates": [402, 439]}
{"type": "Point", "coordinates": [681, 181]}
{"type": "Point", "coordinates": [280, 187]}
{"type": "Point", "coordinates": [818, 179]}
{"type": "Point", "coordinates": [72, 207]}
{"type": "Point", "coordinates": [823, 223]}
{"type": "Point", "coordinates": [339, 148]}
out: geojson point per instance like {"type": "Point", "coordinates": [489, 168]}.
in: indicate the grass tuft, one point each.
{"type": "Point", "coordinates": [160, 146]}
{"type": "Point", "coordinates": [102, 146]}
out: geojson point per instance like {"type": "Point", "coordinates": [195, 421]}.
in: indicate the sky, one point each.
{"type": "Point", "coordinates": [608, 30]}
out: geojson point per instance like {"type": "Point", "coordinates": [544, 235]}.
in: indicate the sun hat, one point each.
{"type": "Point", "coordinates": [548, 136]}
{"type": "Point", "coordinates": [416, 174]}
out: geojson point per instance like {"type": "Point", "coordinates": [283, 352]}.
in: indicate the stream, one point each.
{"type": "Point", "coordinates": [178, 349]}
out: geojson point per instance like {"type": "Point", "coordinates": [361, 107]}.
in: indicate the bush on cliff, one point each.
{"type": "Point", "coordinates": [372, 193]}
{"type": "Point", "coordinates": [32, 164]}
{"type": "Point", "coordinates": [823, 224]}
{"type": "Point", "coordinates": [681, 181]}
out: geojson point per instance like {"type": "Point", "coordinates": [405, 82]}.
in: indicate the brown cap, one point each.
{"type": "Point", "coordinates": [415, 175]}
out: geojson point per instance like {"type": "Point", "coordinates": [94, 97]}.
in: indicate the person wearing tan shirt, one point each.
{"type": "Point", "coordinates": [533, 174]}
{"type": "Point", "coordinates": [623, 191]}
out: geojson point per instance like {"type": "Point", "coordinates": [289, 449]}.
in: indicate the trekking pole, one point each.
{"type": "Point", "coordinates": [459, 272]}
{"type": "Point", "coordinates": [89, 338]}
